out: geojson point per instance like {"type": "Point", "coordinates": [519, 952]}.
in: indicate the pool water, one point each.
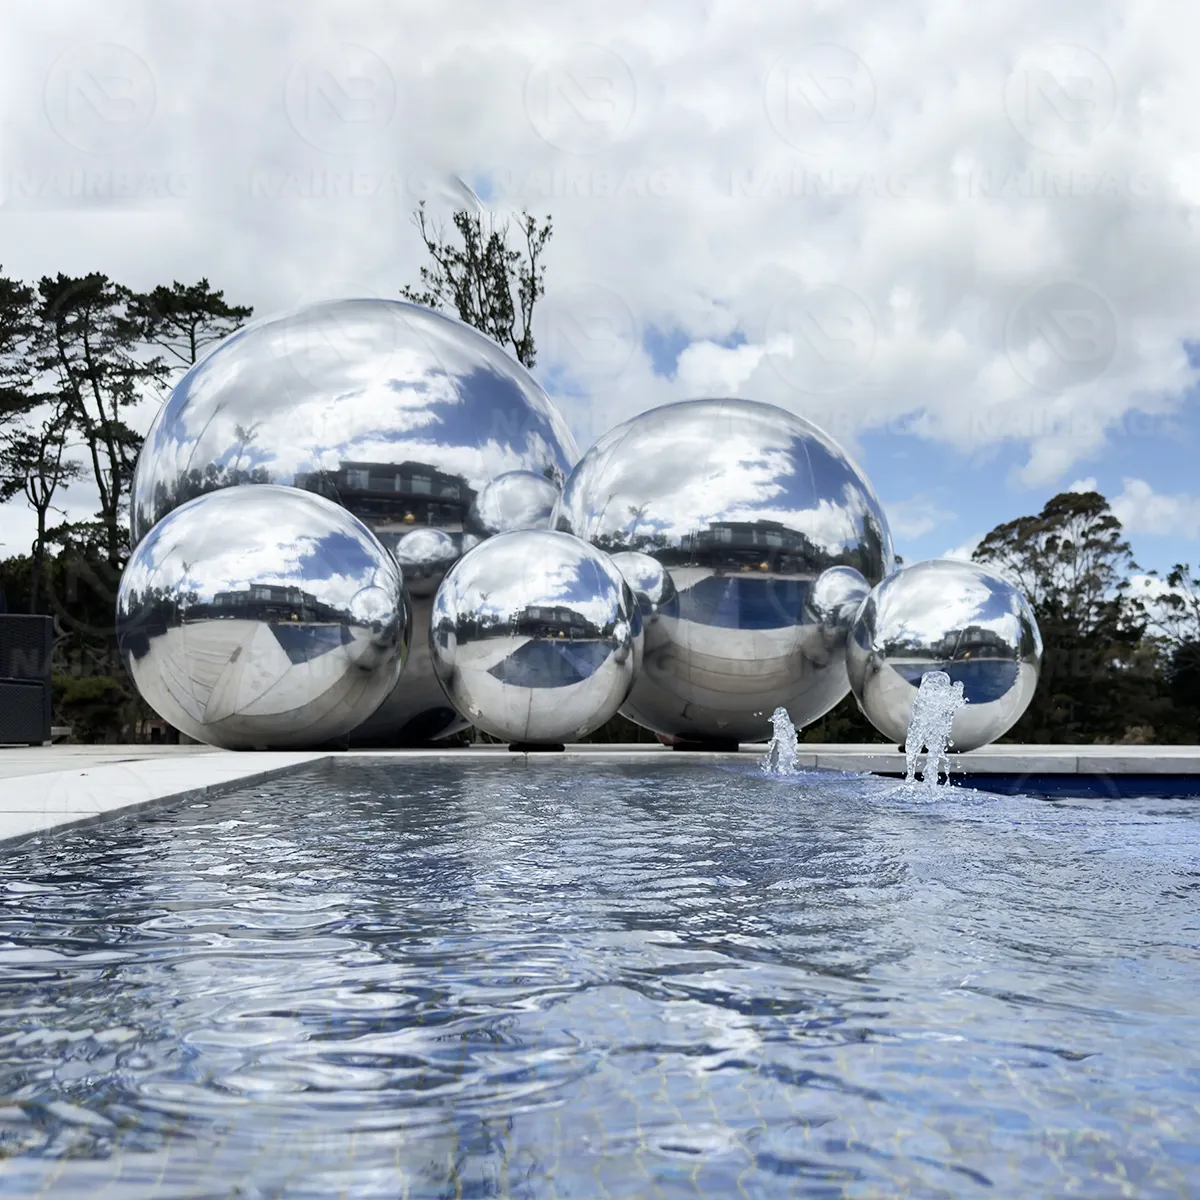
{"type": "Point", "coordinates": [677, 980]}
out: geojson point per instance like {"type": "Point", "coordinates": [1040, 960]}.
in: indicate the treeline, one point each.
{"type": "Point", "coordinates": [77, 355]}
{"type": "Point", "coordinates": [1121, 662]}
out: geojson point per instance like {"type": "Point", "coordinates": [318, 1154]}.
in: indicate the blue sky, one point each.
{"type": "Point", "coordinates": [940, 499]}
{"type": "Point", "coordinates": [969, 246]}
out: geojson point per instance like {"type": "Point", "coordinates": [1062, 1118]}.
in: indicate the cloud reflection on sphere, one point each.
{"type": "Point", "coordinates": [262, 617]}
{"type": "Point", "coordinates": [512, 501]}
{"type": "Point", "coordinates": [397, 413]}
{"type": "Point", "coordinates": [962, 618]}
{"type": "Point", "coordinates": [536, 637]}
{"type": "Point", "coordinates": [745, 506]}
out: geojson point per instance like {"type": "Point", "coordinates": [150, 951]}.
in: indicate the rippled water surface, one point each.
{"type": "Point", "coordinates": [397, 980]}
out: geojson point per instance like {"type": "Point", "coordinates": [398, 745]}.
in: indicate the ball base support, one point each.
{"type": "Point", "coordinates": [710, 745]}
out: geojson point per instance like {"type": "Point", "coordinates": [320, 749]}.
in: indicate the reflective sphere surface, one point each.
{"type": "Point", "coordinates": [262, 617]}
{"type": "Point", "coordinates": [512, 501]}
{"type": "Point", "coordinates": [654, 590]}
{"type": "Point", "coordinates": [745, 506]}
{"type": "Point", "coordinates": [536, 637]}
{"type": "Point", "coordinates": [958, 617]}
{"type": "Point", "coordinates": [425, 555]}
{"type": "Point", "coordinates": [397, 413]}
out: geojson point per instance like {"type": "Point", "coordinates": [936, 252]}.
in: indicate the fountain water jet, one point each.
{"type": "Point", "coordinates": [780, 758]}
{"type": "Point", "coordinates": [936, 702]}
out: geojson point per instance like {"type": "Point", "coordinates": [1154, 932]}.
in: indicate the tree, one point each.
{"type": "Point", "coordinates": [485, 282]}
{"type": "Point", "coordinates": [34, 433]}
{"type": "Point", "coordinates": [32, 464]}
{"type": "Point", "coordinates": [1073, 565]}
{"type": "Point", "coordinates": [16, 330]}
{"type": "Point", "coordinates": [1174, 612]}
{"type": "Point", "coordinates": [1070, 560]}
{"type": "Point", "coordinates": [184, 319]}
{"type": "Point", "coordinates": [1174, 620]}
{"type": "Point", "coordinates": [87, 341]}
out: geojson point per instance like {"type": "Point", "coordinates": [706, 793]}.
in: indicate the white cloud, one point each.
{"type": "Point", "coordinates": [915, 517]}
{"type": "Point", "coordinates": [964, 550]}
{"type": "Point", "coordinates": [1141, 509]}
{"type": "Point", "coordinates": [1083, 485]}
{"type": "Point", "coordinates": [936, 244]}
{"type": "Point", "coordinates": [706, 369]}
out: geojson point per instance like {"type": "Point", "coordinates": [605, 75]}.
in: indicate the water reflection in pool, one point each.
{"type": "Point", "coordinates": [666, 980]}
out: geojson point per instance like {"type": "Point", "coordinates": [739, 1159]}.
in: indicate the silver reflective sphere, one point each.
{"type": "Point", "coordinates": [512, 501]}
{"type": "Point", "coordinates": [832, 603]}
{"type": "Point", "coordinates": [836, 596]}
{"type": "Point", "coordinates": [745, 506]}
{"type": "Point", "coordinates": [536, 637]}
{"type": "Point", "coordinates": [397, 413]}
{"type": "Point", "coordinates": [654, 590]}
{"type": "Point", "coordinates": [262, 617]}
{"type": "Point", "coordinates": [958, 617]}
{"type": "Point", "coordinates": [425, 555]}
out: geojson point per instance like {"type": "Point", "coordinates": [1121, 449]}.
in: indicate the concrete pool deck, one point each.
{"type": "Point", "coordinates": [47, 787]}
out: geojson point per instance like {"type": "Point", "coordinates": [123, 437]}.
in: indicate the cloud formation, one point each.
{"type": "Point", "coordinates": [1141, 509]}
{"type": "Point", "coordinates": [980, 229]}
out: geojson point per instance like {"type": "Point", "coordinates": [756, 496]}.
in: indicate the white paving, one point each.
{"type": "Point", "coordinates": [42, 788]}
{"type": "Point", "coordinates": [101, 785]}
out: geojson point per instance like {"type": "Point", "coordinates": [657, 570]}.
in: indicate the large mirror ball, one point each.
{"type": "Point", "coordinates": [397, 413]}
{"type": "Point", "coordinates": [962, 618]}
{"type": "Point", "coordinates": [262, 618]}
{"type": "Point", "coordinates": [536, 636]}
{"type": "Point", "coordinates": [745, 507]}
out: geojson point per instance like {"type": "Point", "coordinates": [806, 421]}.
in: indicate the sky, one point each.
{"type": "Point", "coordinates": [963, 239]}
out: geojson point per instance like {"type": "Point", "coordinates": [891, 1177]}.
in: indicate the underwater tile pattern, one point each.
{"type": "Point", "coordinates": [451, 981]}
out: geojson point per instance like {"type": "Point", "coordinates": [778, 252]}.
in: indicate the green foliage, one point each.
{"type": "Point", "coordinates": [1101, 676]}
{"type": "Point", "coordinates": [484, 281]}
{"type": "Point", "coordinates": [184, 319]}
{"type": "Point", "coordinates": [86, 346]}
{"type": "Point", "coordinates": [619, 730]}
{"type": "Point", "coordinates": [845, 722]}
{"type": "Point", "coordinates": [77, 353]}
{"type": "Point", "coordinates": [98, 708]}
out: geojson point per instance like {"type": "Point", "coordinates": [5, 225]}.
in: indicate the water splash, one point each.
{"type": "Point", "coordinates": [780, 758]}
{"type": "Point", "coordinates": [929, 728]}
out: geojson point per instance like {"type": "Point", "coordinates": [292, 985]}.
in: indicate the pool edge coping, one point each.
{"type": "Point", "coordinates": [57, 800]}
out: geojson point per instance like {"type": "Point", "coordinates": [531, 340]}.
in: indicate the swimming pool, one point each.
{"type": "Point", "coordinates": [535, 980]}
